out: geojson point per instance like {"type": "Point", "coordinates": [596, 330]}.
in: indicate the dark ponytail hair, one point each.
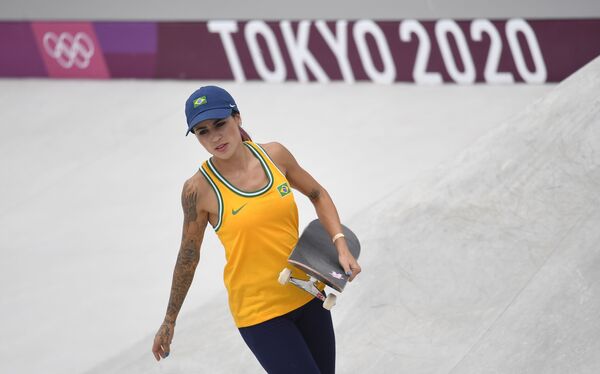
{"type": "Point", "coordinates": [245, 136]}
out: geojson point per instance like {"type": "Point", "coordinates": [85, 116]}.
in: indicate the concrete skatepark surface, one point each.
{"type": "Point", "coordinates": [494, 258]}
{"type": "Point", "coordinates": [486, 263]}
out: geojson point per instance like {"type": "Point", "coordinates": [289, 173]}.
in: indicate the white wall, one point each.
{"type": "Point", "coordinates": [307, 9]}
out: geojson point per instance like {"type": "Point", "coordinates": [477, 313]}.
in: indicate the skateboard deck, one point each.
{"type": "Point", "coordinates": [316, 255]}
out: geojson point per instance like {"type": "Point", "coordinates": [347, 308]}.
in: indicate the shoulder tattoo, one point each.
{"type": "Point", "coordinates": [188, 201]}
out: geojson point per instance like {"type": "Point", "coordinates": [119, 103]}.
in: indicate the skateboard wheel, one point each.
{"type": "Point", "coordinates": [329, 301]}
{"type": "Point", "coordinates": [284, 276]}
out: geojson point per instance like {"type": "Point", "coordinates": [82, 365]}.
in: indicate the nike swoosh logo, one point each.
{"type": "Point", "coordinates": [231, 105]}
{"type": "Point", "coordinates": [236, 211]}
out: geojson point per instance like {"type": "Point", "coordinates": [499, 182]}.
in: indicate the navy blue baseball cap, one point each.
{"type": "Point", "coordinates": [208, 102]}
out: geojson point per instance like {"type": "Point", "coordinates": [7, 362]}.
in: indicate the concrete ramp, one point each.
{"type": "Point", "coordinates": [489, 265]}
{"type": "Point", "coordinates": [492, 265]}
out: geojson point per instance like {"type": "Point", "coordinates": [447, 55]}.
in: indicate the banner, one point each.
{"type": "Point", "coordinates": [424, 52]}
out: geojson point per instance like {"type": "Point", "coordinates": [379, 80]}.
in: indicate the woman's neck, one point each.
{"type": "Point", "coordinates": [239, 161]}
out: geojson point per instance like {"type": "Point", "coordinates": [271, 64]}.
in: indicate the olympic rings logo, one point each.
{"type": "Point", "coordinates": [70, 50]}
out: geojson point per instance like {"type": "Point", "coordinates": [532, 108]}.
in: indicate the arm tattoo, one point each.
{"type": "Point", "coordinates": [314, 195]}
{"type": "Point", "coordinates": [189, 206]}
{"type": "Point", "coordinates": [188, 257]}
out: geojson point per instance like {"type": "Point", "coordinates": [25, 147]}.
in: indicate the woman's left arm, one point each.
{"type": "Point", "coordinates": [302, 181]}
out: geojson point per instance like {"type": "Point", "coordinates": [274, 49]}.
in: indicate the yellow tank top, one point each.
{"type": "Point", "coordinates": [258, 230]}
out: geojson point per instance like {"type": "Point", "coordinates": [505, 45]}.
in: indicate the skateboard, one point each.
{"type": "Point", "coordinates": [316, 255]}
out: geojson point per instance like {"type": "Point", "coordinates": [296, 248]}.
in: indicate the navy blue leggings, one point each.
{"type": "Point", "coordinates": [301, 341]}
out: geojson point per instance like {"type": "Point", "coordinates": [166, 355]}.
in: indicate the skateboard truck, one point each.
{"type": "Point", "coordinates": [309, 286]}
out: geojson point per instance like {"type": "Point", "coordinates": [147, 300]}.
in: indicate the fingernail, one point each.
{"type": "Point", "coordinates": [166, 354]}
{"type": "Point", "coordinates": [349, 273]}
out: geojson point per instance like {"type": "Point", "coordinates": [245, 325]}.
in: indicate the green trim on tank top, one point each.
{"type": "Point", "coordinates": [270, 159]}
{"type": "Point", "coordinates": [219, 198]}
{"type": "Point", "coordinates": [236, 190]}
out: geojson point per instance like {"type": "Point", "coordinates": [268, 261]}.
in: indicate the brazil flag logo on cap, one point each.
{"type": "Point", "coordinates": [199, 101]}
{"type": "Point", "coordinates": [283, 189]}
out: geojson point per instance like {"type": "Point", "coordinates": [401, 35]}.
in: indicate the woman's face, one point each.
{"type": "Point", "coordinates": [220, 137]}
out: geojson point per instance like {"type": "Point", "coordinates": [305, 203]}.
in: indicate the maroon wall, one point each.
{"type": "Point", "coordinates": [429, 52]}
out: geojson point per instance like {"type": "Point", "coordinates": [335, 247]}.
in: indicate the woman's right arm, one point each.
{"type": "Point", "coordinates": [194, 224]}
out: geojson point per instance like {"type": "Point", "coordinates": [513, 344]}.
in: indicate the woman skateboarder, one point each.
{"type": "Point", "coordinates": [244, 192]}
